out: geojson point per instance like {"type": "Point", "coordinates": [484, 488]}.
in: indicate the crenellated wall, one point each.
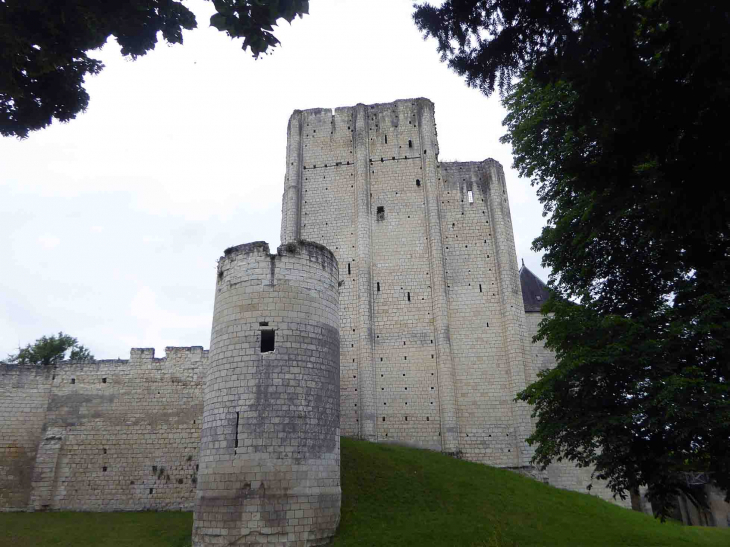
{"type": "Point", "coordinates": [104, 435]}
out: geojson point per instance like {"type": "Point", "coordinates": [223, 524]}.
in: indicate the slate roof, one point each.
{"type": "Point", "coordinates": [534, 292]}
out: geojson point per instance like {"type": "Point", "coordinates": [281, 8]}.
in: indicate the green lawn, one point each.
{"type": "Point", "coordinates": [400, 496]}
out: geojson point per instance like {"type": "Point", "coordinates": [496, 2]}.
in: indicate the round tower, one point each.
{"type": "Point", "coordinates": [270, 445]}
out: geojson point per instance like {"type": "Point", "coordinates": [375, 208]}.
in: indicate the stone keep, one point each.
{"type": "Point", "coordinates": [433, 334]}
{"type": "Point", "coordinates": [270, 442]}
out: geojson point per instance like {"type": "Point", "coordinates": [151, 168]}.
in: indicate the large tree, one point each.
{"type": "Point", "coordinates": [45, 45]}
{"type": "Point", "coordinates": [48, 350]}
{"type": "Point", "coordinates": [618, 112]}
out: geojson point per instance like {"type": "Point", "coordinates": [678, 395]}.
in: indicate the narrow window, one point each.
{"type": "Point", "coordinates": [410, 144]}
{"type": "Point", "coordinates": [104, 469]}
{"type": "Point", "coordinates": [238, 417]}
{"type": "Point", "coordinates": [73, 380]}
{"type": "Point", "coordinates": [152, 490]}
{"type": "Point", "coordinates": [480, 287]}
{"type": "Point", "coordinates": [409, 297]}
{"type": "Point", "coordinates": [267, 341]}
{"type": "Point", "coordinates": [103, 380]}
{"type": "Point", "coordinates": [386, 139]}
{"type": "Point", "coordinates": [418, 182]}
{"type": "Point", "coordinates": [381, 212]}
{"type": "Point", "coordinates": [378, 286]}
{"type": "Point", "coordinates": [470, 195]}
{"type": "Point", "coordinates": [263, 324]}
{"type": "Point", "coordinates": [348, 269]}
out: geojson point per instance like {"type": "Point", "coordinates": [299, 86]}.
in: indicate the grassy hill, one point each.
{"type": "Point", "coordinates": [401, 497]}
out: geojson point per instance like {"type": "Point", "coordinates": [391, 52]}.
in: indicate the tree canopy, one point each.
{"type": "Point", "coordinates": [49, 350]}
{"type": "Point", "coordinates": [617, 111]}
{"type": "Point", "coordinates": [45, 45]}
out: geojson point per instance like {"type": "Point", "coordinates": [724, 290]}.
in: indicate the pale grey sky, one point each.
{"type": "Point", "coordinates": [112, 223]}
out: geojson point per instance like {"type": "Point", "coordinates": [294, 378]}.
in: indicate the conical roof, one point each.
{"type": "Point", "coordinates": [534, 292]}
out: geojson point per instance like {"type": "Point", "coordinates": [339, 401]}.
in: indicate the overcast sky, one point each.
{"type": "Point", "coordinates": [112, 224]}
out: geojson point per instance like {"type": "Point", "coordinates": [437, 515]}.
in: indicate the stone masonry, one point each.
{"type": "Point", "coordinates": [435, 328]}
{"type": "Point", "coordinates": [270, 446]}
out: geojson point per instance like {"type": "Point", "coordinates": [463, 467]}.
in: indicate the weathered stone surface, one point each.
{"type": "Point", "coordinates": [270, 446]}
{"type": "Point", "coordinates": [102, 436]}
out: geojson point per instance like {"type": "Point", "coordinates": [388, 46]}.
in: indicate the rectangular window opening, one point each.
{"type": "Point", "coordinates": [238, 417]}
{"type": "Point", "coordinates": [410, 144]}
{"type": "Point", "coordinates": [378, 286]}
{"type": "Point", "coordinates": [409, 297]}
{"type": "Point", "coordinates": [480, 287]}
{"type": "Point", "coordinates": [348, 269]}
{"type": "Point", "coordinates": [263, 323]}
{"type": "Point", "coordinates": [381, 212]}
{"type": "Point", "coordinates": [73, 380]}
{"type": "Point", "coordinates": [470, 195]}
{"type": "Point", "coordinates": [386, 139]}
{"type": "Point", "coordinates": [267, 341]}
{"type": "Point", "coordinates": [103, 380]}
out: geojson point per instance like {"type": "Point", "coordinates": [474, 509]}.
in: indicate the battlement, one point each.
{"type": "Point", "coordinates": [315, 112]}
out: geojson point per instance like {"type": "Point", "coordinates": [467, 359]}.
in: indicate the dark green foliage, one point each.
{"type": "Point", "coordinates": [48, 350]}
{"type": "Point", "coordinates": [620, 118]}
{"type": "Point", "coordinates": [45, 45]}
{"type": "Point", "coordinates": [253, 20]}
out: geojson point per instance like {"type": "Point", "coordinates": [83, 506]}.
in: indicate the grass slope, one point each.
{"type": "Point", "coordinates": [400, 496]}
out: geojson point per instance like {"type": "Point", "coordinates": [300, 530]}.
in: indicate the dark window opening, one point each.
{"type": "Point", "coordinates": [238, 417]}
{"type": "Point", "coordinates": [73, 380]}
{"type": "Point", "coordinates": [348, 269]}
{"type": "Point", "coordinates": [103, 380]}
{"type": "Point", "coordinates": [263, 323]}
{"type": "Point", "coordinates": [480, 287]}
{"type": "Point", "coordinates": [386, 139]}
{"type": "Point", "coordinates": [406, 417]}
{"type": "Point", "coordinates": [381, 212]}
{"type": "Point", "coordinates": [104, 450]}
{"type": "Point", "coordinates": [267, 341]}
{"type": "Point", "coordinates": [418, 182]}
{"type": "Point", "coordinates": [410, 144]}
{"type": "Point", "coordinates": [104, 469]}
{"type": "Point", "coordinates": [383, 418]}
{"type": "Point", "coordinates": [409, 297]}
{"type": "Point", "coordinates": [152, 490]}
{"type": "Point", "coordinates": [378, 284]}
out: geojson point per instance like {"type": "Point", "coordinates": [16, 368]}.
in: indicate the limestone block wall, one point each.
{"type": "Point", "coordinates": [24, 393]}
{"type": "Point", "coordinates": [486, 315]}
{"type": "Point", "coordinates": [105, 435]}
{"type": "Point", "coordinates": [363, 181]}
{"type": "Point", "coordinates": [270, 447]}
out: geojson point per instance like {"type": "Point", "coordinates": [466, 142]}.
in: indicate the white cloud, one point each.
{"type": "Point", "coordinates": [113, 222]}
{"type": "Point", "coordinates": [49, 241]}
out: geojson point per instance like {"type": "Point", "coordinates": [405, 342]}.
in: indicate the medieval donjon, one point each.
{"type": "Point", "coordinates": [435, 330]}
